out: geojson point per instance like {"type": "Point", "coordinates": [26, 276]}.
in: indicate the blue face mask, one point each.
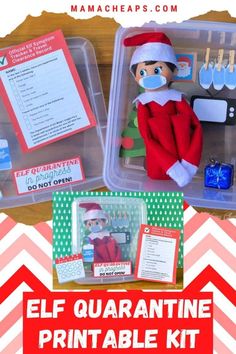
{"type": "Point", "coordinates": [152, 82]}
{"type": "Point", "coordinates": [96, 228]}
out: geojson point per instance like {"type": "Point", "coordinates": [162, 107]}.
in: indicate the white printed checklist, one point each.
{"type": "Point", "coordinates": [157, 254]}
{"type": "Point", "coordinates": [42, 92]}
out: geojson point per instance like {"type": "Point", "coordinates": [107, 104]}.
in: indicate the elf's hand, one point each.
{"type": "Point", "coordinates": [179, 174]}
{"type": "Point", "coordinates": [189, 167]}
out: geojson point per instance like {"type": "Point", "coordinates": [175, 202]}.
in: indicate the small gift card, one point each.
{"type": "Point", "coordinates": [5, 158]}
{"type": "Point", "coordinates": [70, 268]}
{"type": "Point", "coordinates": [157, 254]}
{"type": "Point", "coordinates": [42, 91]}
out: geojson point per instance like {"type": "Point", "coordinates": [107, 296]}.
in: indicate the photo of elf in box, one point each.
{"type": "Point", "coordinates": [170, 129]}
{"type": "Point", "coordinates": [96, 220]}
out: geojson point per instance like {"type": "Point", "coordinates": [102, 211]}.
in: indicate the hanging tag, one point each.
{"type": "Point", "coordinates": [5, 158]}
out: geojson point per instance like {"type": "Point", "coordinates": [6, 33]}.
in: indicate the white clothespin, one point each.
{"type": "Point", "coordinates": [207, 58]}
{"type": "Point", "coordinates": [220, 59]}
{"type": "Point", "coordinates": [231, 60]}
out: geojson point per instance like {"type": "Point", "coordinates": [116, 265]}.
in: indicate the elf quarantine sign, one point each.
{"type": "Point", "coordinates": [98, 321]}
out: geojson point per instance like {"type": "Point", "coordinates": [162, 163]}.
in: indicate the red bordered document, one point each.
{"type": "Point", "coordinates": [42, 91]}
{"type": "Point", "coordinates": [157, 254]}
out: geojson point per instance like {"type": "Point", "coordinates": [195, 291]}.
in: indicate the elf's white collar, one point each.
{"type": "Point", "coordinates": [160, 97]}
{"type": "Point", "coordinates": [100, 234]}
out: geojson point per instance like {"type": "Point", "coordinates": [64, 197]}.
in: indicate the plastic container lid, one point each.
{"type": "Point", "coordinates": [133, 208]}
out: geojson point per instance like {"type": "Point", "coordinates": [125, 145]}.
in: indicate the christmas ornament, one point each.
{"type": "Point", "coordinates": [219, 175]}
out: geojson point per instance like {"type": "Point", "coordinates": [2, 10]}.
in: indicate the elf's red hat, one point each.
{"type": "Point", "coordinates": [93, 211]}
{"type": "Point", "coordinates": [153, 46]}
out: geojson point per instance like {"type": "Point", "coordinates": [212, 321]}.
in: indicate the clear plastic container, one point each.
{"type": "Point", "coordinates": [89, 145]}
{"type": "Point", "coordinates": [124, 217]}
{"type": "Point", "coordinates": [122, 173]}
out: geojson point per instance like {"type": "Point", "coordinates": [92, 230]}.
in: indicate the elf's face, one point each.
{"type": "Point", "coordinates": [153, 77]}
{"type": "Point", "coordinates": [95, 225]}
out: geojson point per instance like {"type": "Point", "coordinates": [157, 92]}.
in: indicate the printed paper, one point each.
{"type": "Point", "coordinates": [157, 254]}
{"type": "Point", "coordinates": [51, 175]}
{"type": "Point", "coordinates": [112, 269]}
{"type": "Point", "coordinates": [42, 91]}
{"type": "Point", "coordinates": [70, 268]}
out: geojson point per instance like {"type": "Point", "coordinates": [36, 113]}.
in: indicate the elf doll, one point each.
{"type": "Point", "coordinates": [171, 131]}
{"type": "Point", "coordinates": [95, 220]}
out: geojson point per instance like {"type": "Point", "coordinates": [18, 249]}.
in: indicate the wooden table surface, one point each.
{"type": "Point", "coordinates": [101, 33]}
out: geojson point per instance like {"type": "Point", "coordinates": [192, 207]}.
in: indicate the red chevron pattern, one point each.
{"type": "Point", "coordinates": [11, 317]}
{"type": "Point", "coordinates": [209, 266]}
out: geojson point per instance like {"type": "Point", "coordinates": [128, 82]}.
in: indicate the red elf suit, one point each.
{"type": "Point", "coordinates": [171, 131]}
{"type": "Point", "coordinates": [106, 248]}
